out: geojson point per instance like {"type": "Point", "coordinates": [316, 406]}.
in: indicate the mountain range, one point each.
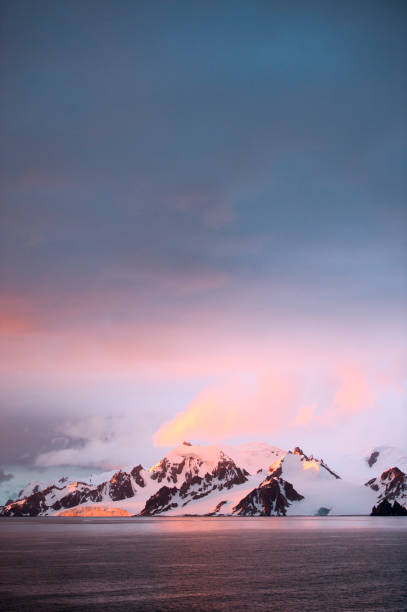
{"type": "Point", "coordinates": [247, 480]}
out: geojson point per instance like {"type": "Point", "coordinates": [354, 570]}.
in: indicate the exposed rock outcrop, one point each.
{"type": "Point", "coordinates": [372, 459]}
{"type": "Point", "coordinates": [160, 501]}
{"type": "Point", "coordinates": [272, 498]}
{"type": "Point", "coordinates": [298, 451]}
{"type": "Point", "coordinates": [385, 508]}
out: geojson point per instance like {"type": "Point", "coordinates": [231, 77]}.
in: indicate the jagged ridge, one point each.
{"type": "Point", "coordinates": [121, 485]}
{"type": "Point", "coordinates": [205, 480]}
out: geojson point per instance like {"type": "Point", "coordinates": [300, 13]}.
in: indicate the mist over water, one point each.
{"type": "Point", "coordinates": [313, 564]}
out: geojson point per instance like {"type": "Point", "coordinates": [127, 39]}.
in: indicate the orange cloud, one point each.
{"type": "Point", "coordinates": [305, 415]}
{"type": "Point", "coordinates": [234, 409]}
{"type": "Point", "coordinates": [274, 402]}
{"type": "Point", "coordinates": [212, 415]}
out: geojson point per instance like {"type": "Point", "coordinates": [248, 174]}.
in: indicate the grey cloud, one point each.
{"type": "Point", "coordinates": [23, 437]}
{"type": "Point", "coordinates": [4, 477]}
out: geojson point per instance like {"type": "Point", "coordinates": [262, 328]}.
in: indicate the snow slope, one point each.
{"type": "Point", "coordinates": [253, 456]}
{"type": "Point", "coordinates": [321, 490]}
{"type": "Point", "coordinates": [382, 458]}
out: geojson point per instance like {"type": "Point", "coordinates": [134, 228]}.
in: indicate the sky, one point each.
{"type": "Point", "coordinates": [203, 229]}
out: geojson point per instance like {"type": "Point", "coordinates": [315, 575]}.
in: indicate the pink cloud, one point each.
{"type": "Point", "coordinates": [234, 409]}
{"type": "Point", "coordinates": [354, 393]}
{"type": "Point", "coordinates": [305, 415]}
{"type": "Point", "coordinates": [276, 402]}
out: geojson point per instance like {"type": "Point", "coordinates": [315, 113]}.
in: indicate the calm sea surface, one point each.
{"type": "Point", "coordinates": [284, 564]}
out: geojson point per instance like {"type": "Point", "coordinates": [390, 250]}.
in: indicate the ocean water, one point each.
{"type": "Point", "coordinates": [283, 564]}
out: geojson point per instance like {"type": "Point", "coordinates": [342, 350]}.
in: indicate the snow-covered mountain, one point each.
{"type": "Point", "coordinates": [254, 456]}
{"type": "Point", "coordinates": [64, 495]}
{"type": "Point", "coordinates": [192, 473]}
{"type": "Point", "coordinates": [361, 465]}
{"type": "Point", "coordinates": [298, 484]}
{"type": "Point", "coordinates": [247, 480]}
{"type": "Point", "coordinates": [391, 490]}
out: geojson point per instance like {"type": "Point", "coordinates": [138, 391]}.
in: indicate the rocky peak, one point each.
{"type": "Point", "coordinates": [298, 451]}
{"type": "Point", "coordinates": [119, 486]}
{"type": "Point", "coordinates": [311, 460]}
{"type": "Point", "coordinates": [393, 473]}
{"type": "Point", "coordinates": [194, 478]}
{"type": "Point", "coordinates": [391, 485]}
{"type": "Point", "coordinates": [188, 461]}
{"type": "Point", "coordinates": [271, 498]}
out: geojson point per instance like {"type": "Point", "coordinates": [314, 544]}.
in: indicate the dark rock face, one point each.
{"type": "Point", "coordinates": [372, 484]}
{"type": "Point", "coordinates": [137, 477]}
{"type": "Point", "coordinates": [190, 481]}
{"type": "Point", "coordinates": [277, 472]}
{"type": "Point", "coordinates": [272, 498]}
{"type": "Point", "coordinates": [169, 471]}
{"type": "Point", "coordinates": [373, 458]}
{"type": "Point", "coordinates": [120, 486]}
{"type": "Point", "coordinates": [33, 505]}
{"type": "Point", "coordinates": [160, 502]}
{"type": "Point", "coordinates": [399, 510]}
{"type": "Point", "coordinates": [396, 483]}
{"type": "Point", "coordinates": [386, 509]}
{"type": "Point", "coordinates": [228, 472]}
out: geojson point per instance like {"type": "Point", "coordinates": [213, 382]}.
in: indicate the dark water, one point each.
{"type": "Point", "coordinates": [284, 564]}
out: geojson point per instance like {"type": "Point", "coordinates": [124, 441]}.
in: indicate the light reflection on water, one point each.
{"type": "Point", "coordinates": [183, 524]}
{"type": "Point", "coordinates": [284, 564]}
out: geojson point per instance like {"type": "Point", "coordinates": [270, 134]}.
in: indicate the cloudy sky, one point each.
{"type": "Point", "coordinates": [203, 229]}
